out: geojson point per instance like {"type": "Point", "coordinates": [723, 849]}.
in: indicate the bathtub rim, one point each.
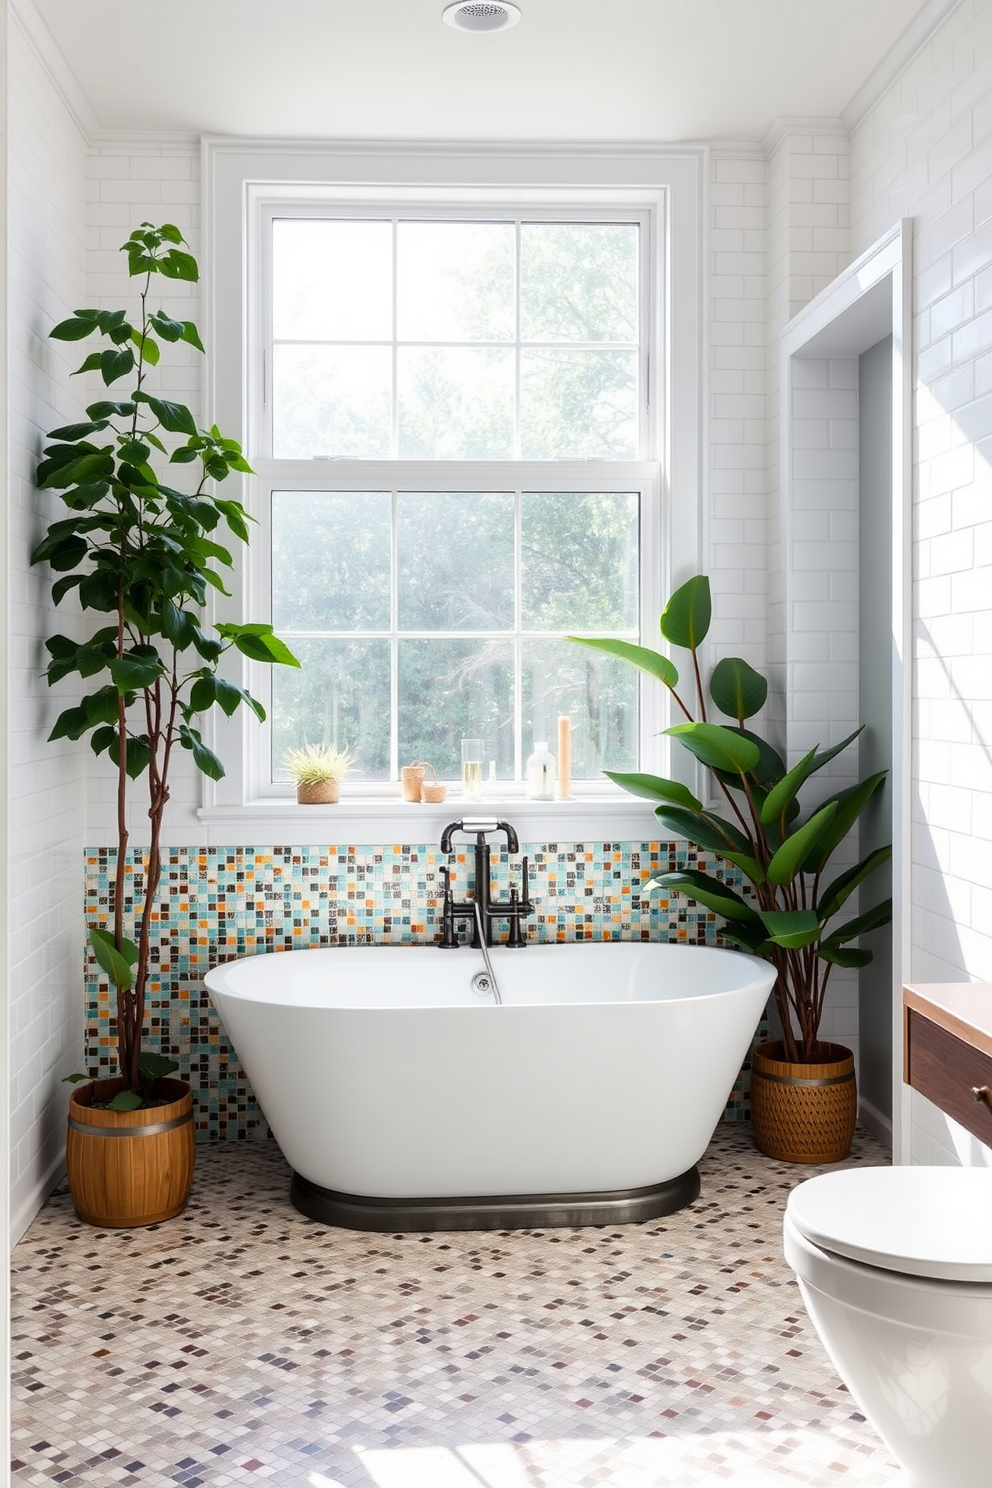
{"type": "Point", "coordinates": [217, 978]}
{"type": "Point", "coordinates": [494, 1212]}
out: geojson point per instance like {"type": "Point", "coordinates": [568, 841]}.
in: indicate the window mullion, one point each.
{"type": "Point", "coordinates": [517, 345]}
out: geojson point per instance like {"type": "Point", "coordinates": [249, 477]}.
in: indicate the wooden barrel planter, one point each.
{"type": "Point", "coordinates": [130, 1168]}
{"type": "Point", "coordinates": [803, 1113]}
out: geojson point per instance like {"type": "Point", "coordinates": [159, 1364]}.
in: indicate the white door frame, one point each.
{"type": "Point", "coordinates": [870, 300]}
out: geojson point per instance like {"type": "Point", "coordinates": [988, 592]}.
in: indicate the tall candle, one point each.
{"type": "Point", "coordinates": [564, 756]}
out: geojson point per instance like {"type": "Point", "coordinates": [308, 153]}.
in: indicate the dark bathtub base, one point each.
{"type": "Point", "coordinates": [504, 1212]}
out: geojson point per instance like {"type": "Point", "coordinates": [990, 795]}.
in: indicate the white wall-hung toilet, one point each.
{"type": "Point", "coordinates": [895, 1269]}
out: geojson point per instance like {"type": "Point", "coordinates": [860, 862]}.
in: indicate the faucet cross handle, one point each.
{"type": "Point", "coordinates": [480, 827]}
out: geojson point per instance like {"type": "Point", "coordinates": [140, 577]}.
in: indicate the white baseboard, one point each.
{"type": "Point", "coordinates": [874, 1121]}
{"type": "Point", "coordinates": [26, 1210]}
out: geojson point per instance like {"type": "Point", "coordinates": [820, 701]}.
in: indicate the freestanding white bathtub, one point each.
{"type": "Point", "coordinates": [404, 1100]}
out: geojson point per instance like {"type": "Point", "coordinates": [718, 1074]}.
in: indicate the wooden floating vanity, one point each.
{"type": "Point", "coordinates": [947, 1048]}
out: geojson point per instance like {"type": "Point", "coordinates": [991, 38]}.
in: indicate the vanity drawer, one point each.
{"type": "Point", "coordinates": [946, 1070]}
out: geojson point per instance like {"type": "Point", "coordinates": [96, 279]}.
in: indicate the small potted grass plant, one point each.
{"type": "Point", "coordinates": [803, 1096]}
{"type": "Point", "coordinates": [141, 557]}
{"type": "Point", "coordinates": [317, 771]}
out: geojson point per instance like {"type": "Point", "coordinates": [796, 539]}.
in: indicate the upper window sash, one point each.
{"type": "Point", "coordinates": [649, 220]}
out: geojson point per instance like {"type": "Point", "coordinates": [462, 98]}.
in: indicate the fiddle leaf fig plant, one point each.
{"type": "Point", "coordinates": [141, 556]}
{"type": "Point", "coordinates": [783, 849]}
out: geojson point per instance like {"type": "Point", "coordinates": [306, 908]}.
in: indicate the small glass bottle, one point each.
{"type": "Point", "coordinates": [541, 773]}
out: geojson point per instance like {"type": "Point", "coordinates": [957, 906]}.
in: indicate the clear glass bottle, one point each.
{"type": "Point", "coordinates": [541, 773]}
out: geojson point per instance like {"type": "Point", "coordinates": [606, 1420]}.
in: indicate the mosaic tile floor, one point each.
{"type": "Point", "coordinates": [243, 1343]}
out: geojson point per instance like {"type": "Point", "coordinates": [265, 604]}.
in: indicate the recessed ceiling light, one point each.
{"type": "Point", "coordinates": [481, 15]}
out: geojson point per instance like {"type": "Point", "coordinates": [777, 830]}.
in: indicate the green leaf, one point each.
{"type": "Point", "coordinates": [770, 767]}
{"type": "Point", "coordinates": [685, 619]}
{"type": "Point", "coordinates": [78, 431]}
{"type": "Point", "coordinates": [706, 831]}
{"type": "Point", "coordinates": [111, 408]}
{"type": "Point", "coordinates": [175, 417]}
{"type": "Point", "coordinates": [204, 759]}
{"type": "Point", "coordinates": [850, 804]}
{"type": "Point", "coordinates": [178, 626]}
{"type": "Point", "coordinates": [709, 891]}
{"type": "Point", "coordinates": [258, 643]}
{"type": "Point", "coordinates": [71, 723]}
{"type": "Point", "coordinates": [93, 657]}
{"type": "Point", "coordinates": [137, 755]}
{"type": "Point", "coordinates": [135, 451]}
{"type": "Point", "coordinates": [156, 1065]}
{"type": "Point", "coordinates": [843, 886]}
{"type": "Point", "coordinates": [103, 739]}
{"type": "Point", "coordinates": [235, 516]}
{"type": "Point", "coordinates": [791, 928]}
{"type": "Point", "coordinates": [63, 555]}
{"type": "Point", "coordinates": [147, 347]}
{"type": "Point", "coordinates": [116, 364]}
{"type": "Point", "coordinates": [872, 919]}
{"type": "Point", "coordinates": [643, 657]}
{"type": "Point", "coordinates": [125, 1100]}
{"type": "Point", "coordinates": [76, 328]}
{"type": "Point", "coordinates": [203, 694]}
{"type": "Point", "coordinates": [132, 673]}
{"type": "Point", "coordinates": [718, 747]}
{"type": "Point", "coordinates": [737, 689]}
{"type": "Point", "coordinates": [116, 961]}
{"type": "Point", "coordinates": [167, 328]}
{"type": "Point", "coordinates": [73, 1079]}
{"type": "Point", "coordinates": [826, 755]}
{"type": "Point", "coordinates": [101, 706]}
{"type": "Point", "coordinates": [654, 788]}
{"type": "Point", "coordinates": [749, 866]}
{"type": "Point", "coordinates": [93, 363]}
{"type": "Point", "coordinates": [796, 848]}
{"type": "Point", "coordinates": [191, 335]}
{"type": "Point", "coordinates": [178, 265]}
{"type": "Point", "coordinates": [844, 955]}
{"type": "Point", "coordinates": [750, 937]}
{"type": "Point", "coordinates": [778, 799]}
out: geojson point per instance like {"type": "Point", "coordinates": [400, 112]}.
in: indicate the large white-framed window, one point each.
{"type": "Point", "coordinates": [462, 538]}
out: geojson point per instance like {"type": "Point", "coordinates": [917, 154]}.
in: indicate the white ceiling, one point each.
{"type": "Point", "coordinates": [389, 69]}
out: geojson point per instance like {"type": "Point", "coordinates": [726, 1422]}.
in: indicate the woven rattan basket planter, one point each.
{"type": "Point", "coordinates": [803, 1113]}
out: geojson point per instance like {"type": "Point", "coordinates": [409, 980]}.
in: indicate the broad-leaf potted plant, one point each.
{"type": "Point", "coordinates": [792, 915]}
{"type": "Point", "coordinates": [141, 556]}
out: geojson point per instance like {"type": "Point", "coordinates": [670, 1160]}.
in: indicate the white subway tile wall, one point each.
{"type": "Point", "coordinates": [925, 151]}
{"type": "Point", "coordinates": [46, 163]}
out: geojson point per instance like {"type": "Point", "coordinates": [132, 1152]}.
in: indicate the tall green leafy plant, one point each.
{"type": "Point", "coordinates": [783, 850]}
{"type": "Point", "coordinates": [142, 556]}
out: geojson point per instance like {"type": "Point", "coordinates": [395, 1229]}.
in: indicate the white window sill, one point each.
{"type": "Point", "coordinates": [620, 818]}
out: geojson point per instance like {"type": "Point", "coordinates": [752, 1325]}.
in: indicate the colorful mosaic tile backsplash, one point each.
{"type": "Point", "coordinates": [219, 903]}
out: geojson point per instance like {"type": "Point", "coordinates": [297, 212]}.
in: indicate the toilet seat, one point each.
{"type": "Point", "coordinates": [931, 1222]}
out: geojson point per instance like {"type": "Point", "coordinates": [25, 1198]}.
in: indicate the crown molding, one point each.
{"type": "Point", "coordinates": [41, 40]}
{"type": "Point", "coordinates": [150, 141]}
{"type": "Point", "coordinates": [737, 149]}
{"type": "Point", "coordinates": [916, 35]}
{"type": "Point", "coordinates": [780, 129]}
{"type": "Point", "coordinates": [220, 144]}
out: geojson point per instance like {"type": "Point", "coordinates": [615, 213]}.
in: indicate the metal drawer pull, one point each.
{"type": "Point", "coordinates": [980, 1092]}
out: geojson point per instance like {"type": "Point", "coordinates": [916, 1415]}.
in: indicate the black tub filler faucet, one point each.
{"type": "Point", "coordinates": [514, 909]}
